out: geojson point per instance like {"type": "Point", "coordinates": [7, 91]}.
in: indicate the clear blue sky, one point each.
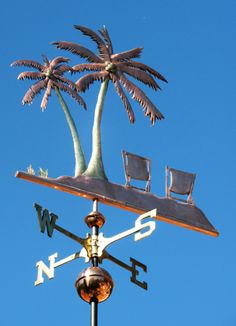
{"type": "Point", "coordinates": [191, 276]}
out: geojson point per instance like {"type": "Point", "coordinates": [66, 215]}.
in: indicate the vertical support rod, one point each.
{"type": "Point", "coordinates": [94, 312]}
{"type": "Point", "coordinates": [94, 258]}
{"type": "Point", "coordinates": [94, 302]}
{"type": "Point", "coordinates": [95, 231]}
{"type": "Point", "coordinates": [95, 205]}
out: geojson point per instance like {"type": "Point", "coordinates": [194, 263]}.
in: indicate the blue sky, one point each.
{"type": "Point", "coordinates": [191, 276]}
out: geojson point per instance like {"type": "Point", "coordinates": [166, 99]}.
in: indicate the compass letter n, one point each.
{"type": "Point", "coordinates": [43, 268]}
{"type": "Point", "coordinates": [46, 219]}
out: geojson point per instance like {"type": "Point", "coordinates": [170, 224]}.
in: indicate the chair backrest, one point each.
{"type": "Point", "coordinates": [179, 182]}
{"type": "Point", "coordinates": [138, 168]}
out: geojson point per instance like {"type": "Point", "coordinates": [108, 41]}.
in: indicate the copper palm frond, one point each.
{"type": "Point", "coordinates": [63, 68]}
{"type": "Point", "coordinates": [30, 75]}
{"type": "Point", "coordinates": [127, 55]}
{"type": "Point", "coordinates": [149, 108]}
{"type": "Point", "coordinates": [56, 61]}
{"type": "Point", "coordinates": [124, 98]}
{"type": "Point", "coordinates": [46, 95]}
{"type": "Point", "coordinates": [50, 75]}
{"type": "Point", "coordinates": [70, 91]}
{"type": "Point", "coordinates": [139, 75]}
{"type": "Point", "coordinates": [34, 90]}
{"type": "Point", "coordinates": [89, 66]}
{"type": "Point", "coordinates": [103, 51]}
{"type": "Point", "coordinates": [45, 59]}
{"type": "Point", "coordinates": [28, 63]}
{"type": "Point", "coordinates": [65, 80]}
{"type": "Point", "coordinates": [84, 82]}
{"type": "Point", "coordinates": [142, 66]}
{"type": "Point", "coordinates": [79, 50]}
{"type": "Point", "coordinates": [104, 32]}
{"type": "Point", "coordinates": [115, 67]}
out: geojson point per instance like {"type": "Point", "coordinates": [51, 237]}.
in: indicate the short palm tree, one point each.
{"type": "Point", "coordinates": [108, 66]}
{"type": "Point", "coordinates": [50, 76]}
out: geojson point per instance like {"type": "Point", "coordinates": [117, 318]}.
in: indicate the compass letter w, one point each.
{"type": "Point", "coordinates": [46, 220]}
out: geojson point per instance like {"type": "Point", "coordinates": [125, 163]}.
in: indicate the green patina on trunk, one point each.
{"type": "Point", "coordinates": [80, 164]}
{"type": "Point", "coordinates": [95, 168]}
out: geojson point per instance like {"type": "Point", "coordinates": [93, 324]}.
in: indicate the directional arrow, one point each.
{"type": "Point", "coordinates": [95, 244]}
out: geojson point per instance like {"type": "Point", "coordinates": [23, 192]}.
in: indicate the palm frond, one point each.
{"type": "Point", "coordinates": [88, 66]}
{"type": "Point", "coordinates": [66, 81]}
{"type": "Point", "coordinates": [28, 63]}
{"type": "Point", "coordinates": [46, 95]}
{"type": "Point", "coordinates": [123, 97]}
{"type": "Point", "coordinates": [61, 69]}
{"type": "Point", "coordinates": [30, 75]}
{"type": "Point", "coordinates": [144, 67]}
{"type": "Point", "coordinates": [103, 51]}
{"type": "Point", "coordinates": [84, 82]}
{"type": "Point", "coordinates": [58, 60]}
{"type": "Point", "coordinates": [71, 92]}
{"type": "Point", "coordinates": [34, 90]}
{"type": "Point", "coordinates": [142, 99]}
{"type": "Point", "coordinates": [104, 33]}
{"type": "Point", "coordinates": [79, 50]}
{"type": "Point", "coordinates": [138, 74]}
{"type": "Point", "coordinates": [127, 55]}
{"type": "Point", "coordinates": [45, 59]}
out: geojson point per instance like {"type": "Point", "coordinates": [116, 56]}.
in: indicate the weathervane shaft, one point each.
{"type": "Point", "coordinates": [94, 220]}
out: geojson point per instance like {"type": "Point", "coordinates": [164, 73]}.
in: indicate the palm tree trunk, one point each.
{"type": "Point", "coordinates": [95, 168]}
{"type": "Point", "coordinates": [80, 164]}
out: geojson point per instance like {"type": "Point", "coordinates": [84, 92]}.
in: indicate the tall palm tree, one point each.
{"type": "Point", "coordinates": [108, 66]}
{"type": "Point", "coordinates": [50, 76]}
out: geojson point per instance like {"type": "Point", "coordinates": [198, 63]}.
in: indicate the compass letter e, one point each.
{"type": "Point", "coordinates": [45, 219]}
{"type": "Point", "coordinates": [135, 272]}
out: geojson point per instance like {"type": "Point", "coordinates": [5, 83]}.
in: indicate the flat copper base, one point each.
{"type": "Point", "coordinates": [169, 210]}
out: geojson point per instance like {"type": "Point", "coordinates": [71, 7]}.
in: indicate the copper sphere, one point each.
{"type": "Point", "coordinates": [94, 219]}
{"type": "Point", "coordinates": [94, 283]}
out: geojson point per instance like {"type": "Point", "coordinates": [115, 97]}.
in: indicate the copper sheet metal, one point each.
{"type": "Point", "coordinates": [133, 200]}
{"type": "Point", "coordinates": [181, 182]}
{"type": "Point", "coordinates": [136, 167]}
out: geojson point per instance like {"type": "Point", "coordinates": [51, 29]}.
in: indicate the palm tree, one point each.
{"type": "Point", "coordinates": [50, 76]}
{"type": "Point", "coordinates": [108, 66]}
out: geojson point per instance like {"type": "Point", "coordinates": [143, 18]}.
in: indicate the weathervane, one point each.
{"type": "Point", "coordinates": [95, 284]}
{"type": "Point", "coordinates": [95, 244]}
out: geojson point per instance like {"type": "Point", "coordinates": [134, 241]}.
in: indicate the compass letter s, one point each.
{"type": "Point", "coordinates": [45, 219]}
{"type": "Point", "coordinates": [151, 225]}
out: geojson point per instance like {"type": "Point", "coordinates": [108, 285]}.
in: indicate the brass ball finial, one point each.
{"type": "Point", "coordinates": [94, 283]}
{"type": "Point", "coordinates": [94, 218]}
